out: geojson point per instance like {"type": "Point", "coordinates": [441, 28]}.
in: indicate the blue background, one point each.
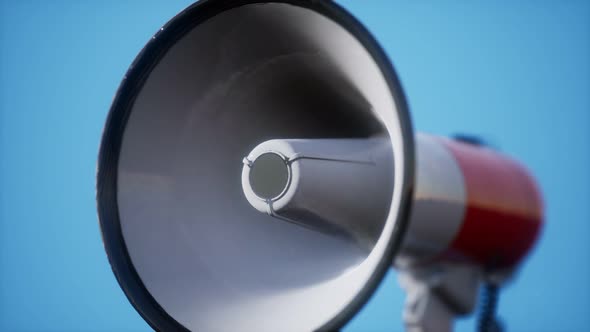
{"type": "Point", "coordinates": [516, 74]}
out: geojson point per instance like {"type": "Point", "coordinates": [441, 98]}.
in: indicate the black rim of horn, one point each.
{"type": "Point", "coordinates": [108, 159]}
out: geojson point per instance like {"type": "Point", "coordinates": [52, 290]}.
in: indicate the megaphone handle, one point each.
{"type": "Point", "coordinates": [435, 295]}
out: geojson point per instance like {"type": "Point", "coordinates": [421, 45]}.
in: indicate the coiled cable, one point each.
{"type": "Point", "coordinates": [488, 322]}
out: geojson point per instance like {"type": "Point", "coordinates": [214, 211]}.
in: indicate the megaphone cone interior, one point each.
{"type": "Point", "coordinates": [221, 78]}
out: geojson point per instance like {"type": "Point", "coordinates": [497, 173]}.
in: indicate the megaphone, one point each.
{"type": "Point", "coordinates": [259, 171]}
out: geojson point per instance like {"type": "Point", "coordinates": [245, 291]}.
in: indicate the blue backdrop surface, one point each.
{"type": "Point", "coordinates": [516, 74]}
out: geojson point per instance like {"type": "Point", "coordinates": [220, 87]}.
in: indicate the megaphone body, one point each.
{"type": "Point", "coordinates": [471, 204]}
{"type": "Point", "coordinates": [259, 171]}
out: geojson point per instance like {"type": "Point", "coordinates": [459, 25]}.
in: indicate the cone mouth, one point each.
{"type": "Point", "coordinates": [223, 76]}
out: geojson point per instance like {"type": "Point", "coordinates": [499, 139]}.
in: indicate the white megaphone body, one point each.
{"type": "Point", "coordinates": [259, 172]}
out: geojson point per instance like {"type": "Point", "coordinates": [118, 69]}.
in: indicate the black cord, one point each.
{"type": "Point", "coordinates": [488, 321]}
